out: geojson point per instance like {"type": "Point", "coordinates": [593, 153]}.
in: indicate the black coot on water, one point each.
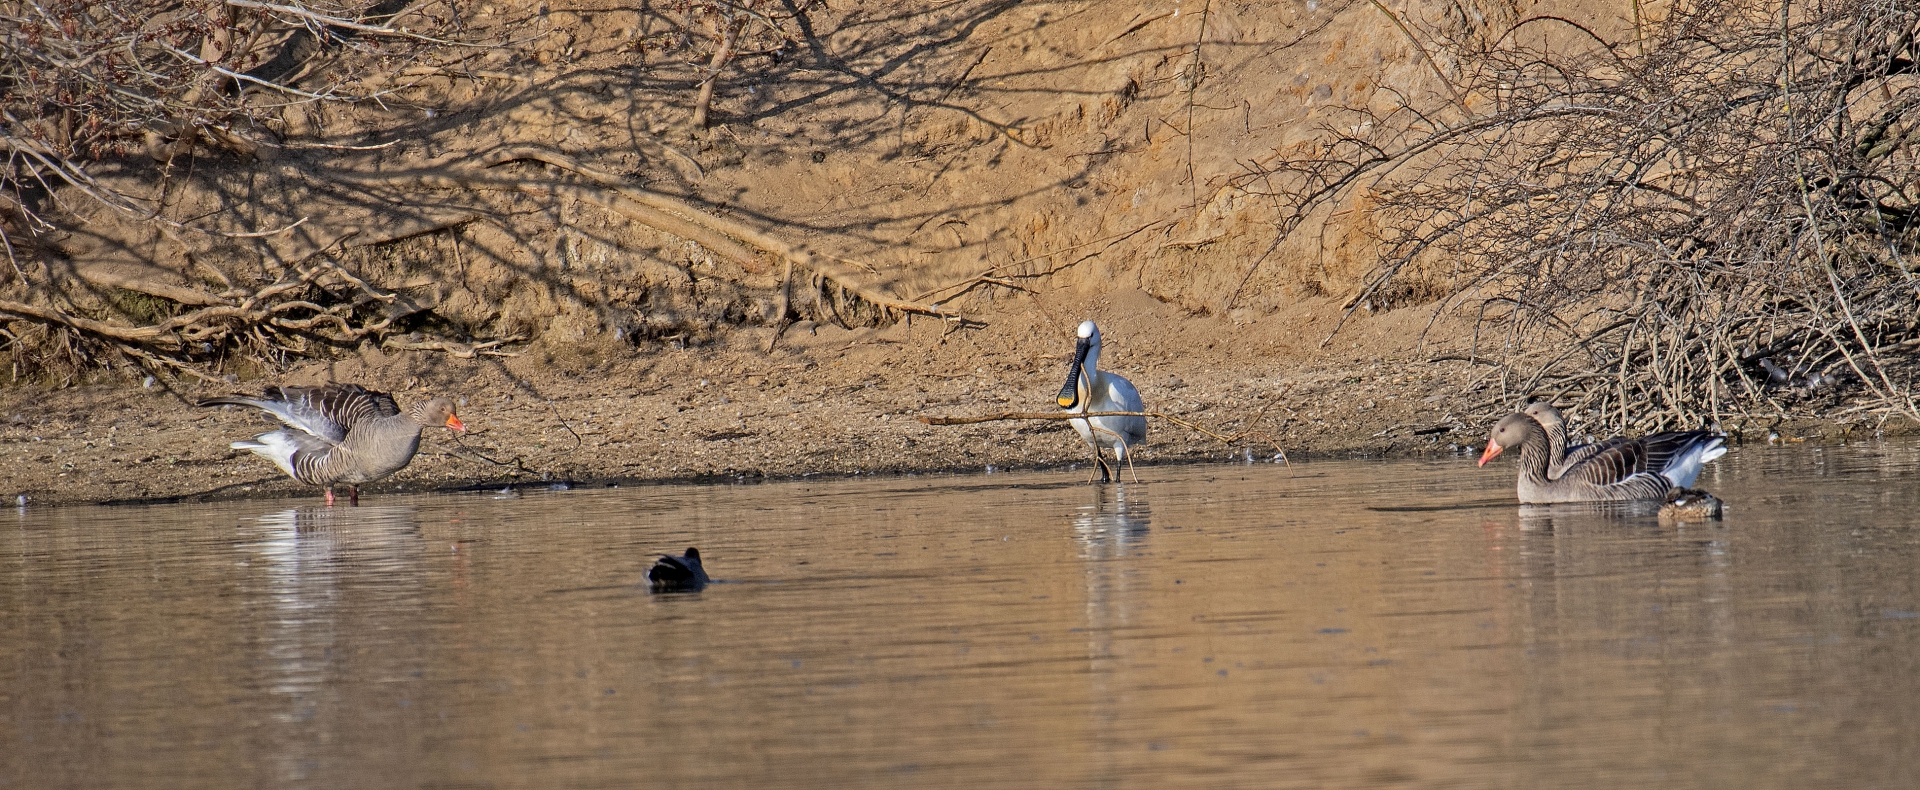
{"type": "Point", "coordinates": [677, 574]}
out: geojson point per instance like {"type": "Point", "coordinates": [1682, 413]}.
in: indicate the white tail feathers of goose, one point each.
{"type": "Point", "coordinates": [1686, 466]}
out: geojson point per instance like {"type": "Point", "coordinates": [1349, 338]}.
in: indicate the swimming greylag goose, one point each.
{"type": "Point", "coordinates": [1089, 388]}
{"type": "Point", "coordinates": [1622, 470]}
{"type": "Point", "coordinates": [1660, 447]}
{"type": "Point", "coordinates": [678, 574]}
{"type": "Point", "coordinates": [340, 433]}
{"type": "Point", "coordinates": [1559, 455]}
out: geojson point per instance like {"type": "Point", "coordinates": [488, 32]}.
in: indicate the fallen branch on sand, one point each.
{"type": "Point", "coordinates": [457, 349]}
{"type": "Point", "coordinates": [1062, 415]}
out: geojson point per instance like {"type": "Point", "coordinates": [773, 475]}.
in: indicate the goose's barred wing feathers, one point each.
{"type": "Point", "coordinates": [327, 412]}
{"type": "Point", "coordinates": [1610, 463]}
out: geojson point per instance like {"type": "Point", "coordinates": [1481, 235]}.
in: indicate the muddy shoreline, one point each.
{"type": "Point", "coordinates": [825, 402]}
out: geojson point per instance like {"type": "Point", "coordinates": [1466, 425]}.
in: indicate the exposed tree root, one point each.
{"type": "Point", "coordinates": [731, 239]}
{"type": "Point", "coordinates": [281, 305]}
{"type": "Point", "coordinates": [220, 320]}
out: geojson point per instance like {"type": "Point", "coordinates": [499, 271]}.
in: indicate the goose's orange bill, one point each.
{"type": "Point", "coordinates": [1493, 449]}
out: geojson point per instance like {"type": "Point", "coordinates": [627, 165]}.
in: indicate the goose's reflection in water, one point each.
{"type": "Point", "coordinates": [1576, 561]}
{"type": "Point", "coordinates": [313, 564]}
{"type": "Point", "coordinates": [1546, 518]}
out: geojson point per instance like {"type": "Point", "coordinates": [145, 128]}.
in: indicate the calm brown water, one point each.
{"type": "Point", "coordinates": [1339, 624]}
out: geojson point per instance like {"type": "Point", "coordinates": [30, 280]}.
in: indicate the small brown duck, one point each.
{"type": "Point", "coordinates": [1690, 505]}
{"type": "Point", "coordinates": [678, 574]}
{"type": "Point", "coordinates": [340, 433]}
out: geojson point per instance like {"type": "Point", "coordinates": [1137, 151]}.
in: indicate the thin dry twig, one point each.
{"type": "Point", "coordinates": [1055, 416]}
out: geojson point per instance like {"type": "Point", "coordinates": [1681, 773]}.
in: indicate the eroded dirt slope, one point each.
{"type": "Point", "coordinates": [1027, 165]}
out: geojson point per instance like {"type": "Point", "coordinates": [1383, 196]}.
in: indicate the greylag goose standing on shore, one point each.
{"type": "Point", "coordinates": [1620, 470]}
{"type": "Point", "coordinates": [340, 433]}
{"type": "Point", "coordinates": [1090, 389]}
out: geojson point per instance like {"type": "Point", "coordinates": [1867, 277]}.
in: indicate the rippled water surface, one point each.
{"type": "Point", "coordinates": [1337, 624]}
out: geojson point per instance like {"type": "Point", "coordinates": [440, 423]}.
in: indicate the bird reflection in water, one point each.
{"type": "Point", "coordinates": [1110, 531]}
{"type": "Point", "coordinates": [1545, 518]}
{"type": "Point", "coordinates": [1114, 523]}
{"type": "Point", "coordinates": [324, 573]}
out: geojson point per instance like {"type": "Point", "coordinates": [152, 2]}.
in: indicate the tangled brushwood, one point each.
{"type": "Point", "coordinates": [104, 108]}
{"type": "Point", "coordinates": [222, 186]}
{"type": "Point", "coordinates": [1713, 222]}
{"type": "Point", "coordinates": [88, 81]}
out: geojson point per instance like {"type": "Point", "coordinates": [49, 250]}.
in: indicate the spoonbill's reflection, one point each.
{"type": "Point", "coordinates": [1111, 531]}
{"type": "Point", "coordinates": [1114, 523]}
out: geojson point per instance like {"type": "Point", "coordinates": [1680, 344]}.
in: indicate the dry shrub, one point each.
{"type": "Point", "coordinates": [215, 185]}
{"type": "Point", "coordinates": [1714, 220]}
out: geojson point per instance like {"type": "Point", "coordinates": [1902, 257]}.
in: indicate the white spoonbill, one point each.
{"type": "Point", "coordinates": [1090, 389]}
